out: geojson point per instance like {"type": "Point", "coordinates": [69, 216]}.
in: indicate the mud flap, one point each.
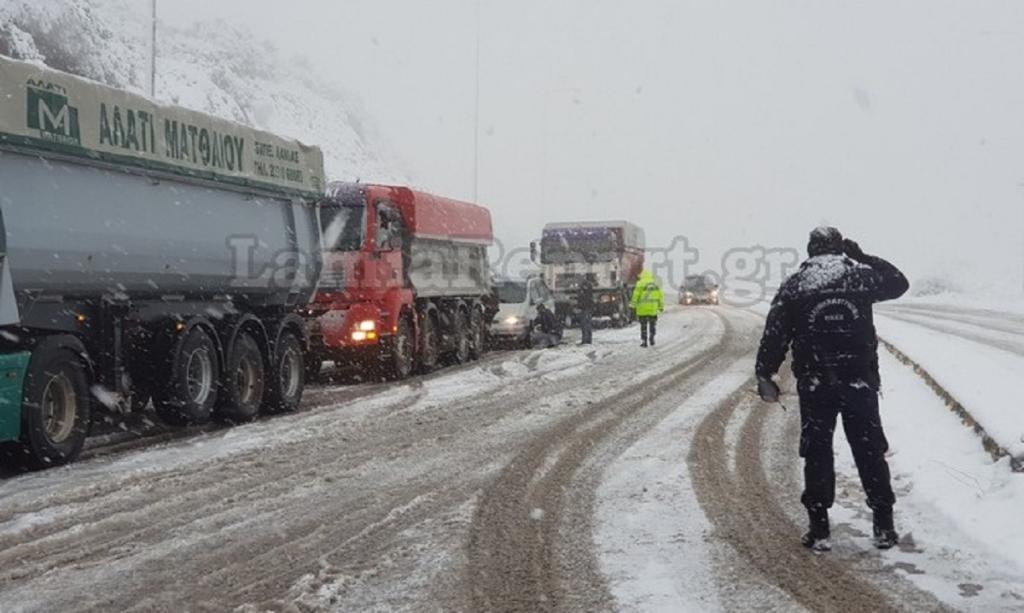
{"type": "Point", "coordinates": [13, 367]}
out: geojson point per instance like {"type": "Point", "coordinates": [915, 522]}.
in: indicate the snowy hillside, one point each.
{"type": "Point", "coordinates": [213, 67]}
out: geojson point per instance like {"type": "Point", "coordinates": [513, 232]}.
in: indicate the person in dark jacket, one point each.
{"type": "Point", "coordinates": [824, 312]}
{"type": "Point", "coordinates": [546, 330]}
{"type": "Point", "coordinates": [585, 304]}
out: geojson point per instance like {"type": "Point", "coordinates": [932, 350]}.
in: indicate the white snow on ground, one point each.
{"type": "Point", "coordinates": [650, 530]}
{"type": "Point", "coordinates": [1003, 300]}
{"type": "Point", "coordinates": [983, 378]}
{"type": "Point", "coordinates": [958, 510]}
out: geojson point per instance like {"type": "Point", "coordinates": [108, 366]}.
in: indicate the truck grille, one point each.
{"type": "Point", "coordinates": [332, 279]}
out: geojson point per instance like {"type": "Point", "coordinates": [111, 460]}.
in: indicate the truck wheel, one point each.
{"type": "Point", "coordinates": [429, 345]}
{"type": "Point", "coordinates": [288, 376]}
{"type": "Point", "coordinates": [190, 393]}
{"type": "Point", "coordinates": [241, 391]}
{"type": "Point", "coordinates": [478, 334]}
{"type": "Point", "coordinates": [398, 353]}
{"type": "Point", "coordinates": [463, 339]}
{"type": "Point", "coordinates": [56, 410]}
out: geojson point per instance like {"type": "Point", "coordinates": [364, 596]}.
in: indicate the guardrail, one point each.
{"type": "Point", "coordinates": [991, 446]}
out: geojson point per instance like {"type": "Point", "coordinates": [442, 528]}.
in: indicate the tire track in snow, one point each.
{"type": "Point", "coordinates": [743, 505]}
{"type": "Point", "coordinates": [242, 526]}
{"type": "Point", "coordinates": [531, 545]}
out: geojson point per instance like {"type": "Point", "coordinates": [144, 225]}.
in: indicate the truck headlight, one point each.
{"type": "Point", "coordinates": [367, 325]}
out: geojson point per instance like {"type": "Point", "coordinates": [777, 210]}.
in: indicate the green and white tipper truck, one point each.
{"type": "Point", "coordinates": [146, 252]}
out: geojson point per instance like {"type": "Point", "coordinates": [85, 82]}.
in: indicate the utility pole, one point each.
{"type": "Point", "coordinates": [476, 113]}
{"type": "Point", "coordinates": [152, 57]}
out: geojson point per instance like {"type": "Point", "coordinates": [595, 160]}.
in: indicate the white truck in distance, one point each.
{"type": "Point", "coordinates": [610, 253]}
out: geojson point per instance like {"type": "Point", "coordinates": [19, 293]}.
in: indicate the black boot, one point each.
{"type": "Point", "coordinates": [818, 532]}
{"type": "Point", "coordinates": [885, 535]}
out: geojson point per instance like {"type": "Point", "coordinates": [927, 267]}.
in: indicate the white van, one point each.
{"type": "Point", "coordinates": [517, 309]}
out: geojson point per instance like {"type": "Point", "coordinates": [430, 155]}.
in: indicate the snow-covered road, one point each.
{"type": "Point", "coordinates": [584, 478]}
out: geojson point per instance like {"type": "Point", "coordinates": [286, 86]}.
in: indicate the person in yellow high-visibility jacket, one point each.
{"type": "Point", "coordinates": [648, 301]}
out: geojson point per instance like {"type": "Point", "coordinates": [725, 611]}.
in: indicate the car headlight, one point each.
{"type": "Point", "coordinates": [367, 326]}
{"type": "Point", "coordinates": [513, 320]}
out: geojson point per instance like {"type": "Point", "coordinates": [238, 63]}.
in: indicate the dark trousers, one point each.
{"type": "Point", "coordinates": [648, 328]}
{"type": "Point", "coordinates": [586, 327]}
{"type": "Point", "coordinates": [820, 405]}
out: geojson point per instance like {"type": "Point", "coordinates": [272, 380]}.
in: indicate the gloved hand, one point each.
{"type": "Point", "coordinates": [853, 250]}
{"type": "Point", "coordinates": [767, 389]}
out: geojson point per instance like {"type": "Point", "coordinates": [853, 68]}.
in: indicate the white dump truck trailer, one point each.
{"type": "Point", "coordinates": [146, 252]}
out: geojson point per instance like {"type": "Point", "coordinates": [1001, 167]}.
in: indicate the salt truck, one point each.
{"type": "Point", "coordinates": [146, 252]}
{"type": "Point", "coordinates": [405, 281]}
{"type": "Point", "coordinates": [610, 253]}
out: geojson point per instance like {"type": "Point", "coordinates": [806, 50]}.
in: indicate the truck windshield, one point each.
{"type": "Point", "coordinates": [511, 293]}
{"type": "Point", "coordinates": [585, 245]}
{"type": "Point", "coordinates": [343, 226]}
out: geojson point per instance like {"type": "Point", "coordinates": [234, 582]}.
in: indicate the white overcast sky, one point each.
{"type": "Point", "coordinates": [732, 123]}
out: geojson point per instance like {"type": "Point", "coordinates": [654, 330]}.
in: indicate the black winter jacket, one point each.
{"type": "Point", "coordinates": [548, 323]}
{"type": "Point", "coordinates": [825, 311]}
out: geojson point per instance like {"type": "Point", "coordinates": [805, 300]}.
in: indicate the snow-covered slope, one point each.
{"type": "Point", "coordinates": [214, 67]}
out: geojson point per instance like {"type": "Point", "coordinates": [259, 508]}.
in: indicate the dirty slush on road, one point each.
{"type": "Point", "coordinates": [473, 490]}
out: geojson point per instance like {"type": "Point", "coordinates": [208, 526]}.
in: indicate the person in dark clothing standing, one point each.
{"type": "Point", "coordinates": [824, 311]}
{"type": "Point", "coordinates": [585, 304]}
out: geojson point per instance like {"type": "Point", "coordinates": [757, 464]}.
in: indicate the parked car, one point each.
{"type": "Point", "coordinates": [698, 289]}
{"type": "Point", "coordinates": [517, 309]}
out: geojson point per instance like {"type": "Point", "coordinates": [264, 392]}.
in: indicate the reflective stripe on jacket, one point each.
{"type": "Point", "coordinates": [648, 299]}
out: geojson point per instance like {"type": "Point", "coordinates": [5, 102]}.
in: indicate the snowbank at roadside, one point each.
{"type": "Point", "coordinates": [981, 377]}
{"type": "Point", "coordinates": [1005, 301]}
{"type": "Point", "coordinates": [958, 510]}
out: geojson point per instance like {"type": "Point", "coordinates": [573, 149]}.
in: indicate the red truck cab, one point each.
{"type": "Point", "coordinates": [404, 280]}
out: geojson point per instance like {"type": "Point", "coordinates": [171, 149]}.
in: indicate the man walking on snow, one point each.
{"type": "Point", "coordinates": [648, 301]}
{"type": "Point", "coordinates": [825, 311]}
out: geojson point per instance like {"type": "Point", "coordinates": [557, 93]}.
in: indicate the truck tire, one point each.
{"type": "Point", "coordinates": [190, 393]}
{"type": "Point", "coordinates": [430, 345]}
{"type": "Point", "coordinates": [244, 382]}
{"type": "Point", "coordinates": [56, 408]}
{"type": "Point", "coordinates": [287, 378]}
{"type": "Point", "coordinates": [397, 355]}
{"type": "Point", "coordinates": [478, 334]}
{"type": "Point", "coordinates": [463, 339]}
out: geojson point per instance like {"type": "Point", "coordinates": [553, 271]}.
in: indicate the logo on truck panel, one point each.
{"type": "Point", "coordinates": [50, 112]}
